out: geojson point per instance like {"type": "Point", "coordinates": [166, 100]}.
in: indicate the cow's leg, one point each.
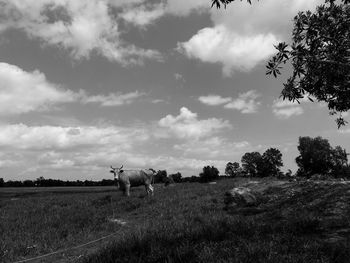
{"type": "Point", "coordinates": [127, 190]}
{"type": "Point", "coordinates": [149, 189]}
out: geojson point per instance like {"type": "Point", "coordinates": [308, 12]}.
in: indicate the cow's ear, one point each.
{"type": "Point", "coordinates": [121, 171]}
{"type": "Point", "coordinates": [111, 171]}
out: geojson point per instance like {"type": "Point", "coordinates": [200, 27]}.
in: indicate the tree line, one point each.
{"type": "Point", "coordinates": [161, 176]}
{"type": "Point", "coordinates": [316, 157]}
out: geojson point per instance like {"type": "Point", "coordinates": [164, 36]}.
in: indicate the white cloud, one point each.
{"type": "Point", "coordinates": [245, 103]}
{"type": "Point", "coordinates": [286, 113]}
{"type": "Point", "coordinates": [214, 100]}
{"type": "Point", "coordinates": [78, 26]}
{"type": "Point", "coordinates": [284, 109]}
{"type": "Point", "coordinates": [22, 92]}
{"type": "Point", "coordinates": [187, 125]}
{"type": "Point", "coordinates": [113, 99]}
{"type": "Point", "coordinates": [268, 16]}
{"type": "Point", "coordinates": [232, 50]}
{"type": "Point", "coordinates": [243, 35]}
{"type": "Point", "coordinates": [143, 15]}
{"type": "Point", "coordinates": [21, 136]}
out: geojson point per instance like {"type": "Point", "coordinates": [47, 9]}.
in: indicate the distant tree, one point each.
{"type": "Point", "coordinates": [160, 176]}
{"type": "Point", "coordinates": [13, 184]}
{"type": "Point", "coordinates": [176, 177]}
{"type": "Point", "coordinates": [315, 156]}
{"type": "Point", "coordinates": [233, 169]}
{"type": "Point", "coordinates": [209, 174]}
{"type": "Point", "coordinates": [168, 180]}
{"type": "Point", "coordinates": [194, 179]}
{"type": "Point", "coordinates": [2, 182]}
{"type": "Point", "coordinates": [252, 163]}
{"type": "Point", "coordinates": [340, 167]}
{"type": "Point", "coordinates": [40, 181]}
{"type": "Point", "coordinates": [319, 56]}
{"type": "Point", "coordinates": [28, 183]}
{"type": "Point", "coordinates": [318, 157]}
{"type": "Point", "coordinates": [272, 161]}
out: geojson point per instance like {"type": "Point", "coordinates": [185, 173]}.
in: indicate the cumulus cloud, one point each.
{"type": "Point", "coordinates": [143, 15]}
{"type": "Point", "coordinates": [284, 109]}
{"type": "Point", "coordinates": [187, 125]}
{"type": "Point", "coordinates": [79, 26]}
{"type": "Point", "coordinates": [232, 50]}
{"type": "Point", "coordinates": [113, 99]}
{"type": "Point", "coordinates": [245, 103]}
{"type": "Point", "coordinates": [21, 136]}
{"type": "Point", "coordinates": [214, 100]}
{"type": "Point", "coordinates": [243, 35]}
{"type": "Point", "coordinates": [22, 92]}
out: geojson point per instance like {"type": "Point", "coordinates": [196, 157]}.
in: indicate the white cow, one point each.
{"type": "Point", "coordinates": [128, 178]}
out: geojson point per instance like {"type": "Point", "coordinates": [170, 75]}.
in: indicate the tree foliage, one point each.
{"type": "Point", "coordinates": [272, 161]}
{"type": "Point", "coordinates": [268, 164]}
{"type": "Point", "coordinates": [218, 3]}
{"type": "Point", "coordinates": [160, 176]}
{"type": "Point", "coordinates": [176, 177]}
{"type": "Point", "coordinates": [319, 55]}
{"type": "Point", "coordinates": [252, 163]}
{"type": "Point", "coordinates": [209, 174]}
{"type": "Point", "coordinates": [318, 157]}
{"type": "Point", "coordinates": [233, 169]}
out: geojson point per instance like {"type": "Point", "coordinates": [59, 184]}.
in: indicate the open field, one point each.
{"type": "Point", "coordinates": [295, 222]}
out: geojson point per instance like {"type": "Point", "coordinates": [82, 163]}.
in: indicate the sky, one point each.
{"type": "Point", "coordinates": [169, 84]}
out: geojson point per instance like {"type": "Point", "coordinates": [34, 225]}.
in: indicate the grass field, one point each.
{"type": "Point", "coordinates": [297, 222]}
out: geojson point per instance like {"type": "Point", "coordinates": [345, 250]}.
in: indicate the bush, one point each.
{"type": "Point", "coordinates": [209, 174]}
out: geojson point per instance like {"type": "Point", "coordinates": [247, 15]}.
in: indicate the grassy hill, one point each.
{"type": "Point", "coordinates": [293, 222]}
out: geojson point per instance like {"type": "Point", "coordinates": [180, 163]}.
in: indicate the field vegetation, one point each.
{"type": "Point", "coordinates": [302, 221]}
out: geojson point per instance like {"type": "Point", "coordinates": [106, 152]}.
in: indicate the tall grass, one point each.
{"type": "Point", "coordinates": [184, 223]}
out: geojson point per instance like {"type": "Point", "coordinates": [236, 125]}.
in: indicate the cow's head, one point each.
{"type": "Point", "coordinates": [116, 171]}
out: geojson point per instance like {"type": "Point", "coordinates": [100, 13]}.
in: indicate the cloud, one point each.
{"type": "Point", "coordinates": [22, 92]}
{"type": "Point", "coordinates": [80, 27]}
{"type": "Point", "coordinates": [186, 125]}
{"type": "Point", "coordinates": [245, 103]}
{"type": "Point", "coordinates": [214, 100]}
{"type": "Point", "coordinates": [143, 15]}
{"type": "Point", "coordinates": [113, 99]}
{"type": "Point", "coordinates": [284, 109]}
{"type": "Point", "coordinates": [234, 51]}
{"type": "Point", "coordinates": [242, 35]}
{"type": "Point", "coordinates": [21, 136]}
